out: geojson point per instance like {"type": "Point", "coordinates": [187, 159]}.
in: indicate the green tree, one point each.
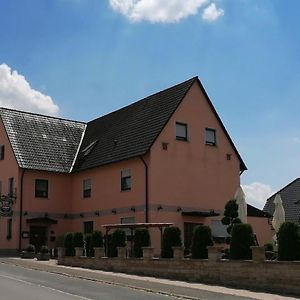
{"type": "Point", "coordinates": [230, 216]}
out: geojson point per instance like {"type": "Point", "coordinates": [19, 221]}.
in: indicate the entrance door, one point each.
{"type": "Point", "coordinates": [38, 236]}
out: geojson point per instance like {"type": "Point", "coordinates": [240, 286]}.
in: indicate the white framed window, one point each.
{"type": "Point", "coordinates": [125, 180]}
{"type": "Point", "coordinates": [87, 188]}
{"type": "Point", "coordinates": [210, 137]}
{"type": "Point", "coordinates": [181, 131]}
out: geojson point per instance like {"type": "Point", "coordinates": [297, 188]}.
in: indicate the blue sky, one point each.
{"type": "Point", "coordinates": [80, 59]}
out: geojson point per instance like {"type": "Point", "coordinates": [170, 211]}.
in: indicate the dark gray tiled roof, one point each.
{"type": "Point", "coordinates": [131, 131]}
{"type": "Point", "coordinates": [290, 196]}
{"type": "Point", "coordinates": [253, 211]}
{"type": "Point", "coordinates": [41, 142]}
{"type": "Point", "coordinates": [47, 143]}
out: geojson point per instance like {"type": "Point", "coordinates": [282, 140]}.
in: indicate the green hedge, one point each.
{"type": "Point", "coordinates": [171, 238]}
{"type": "Point", "coordinates": [201, 239]}
{"type": "Point", "coordinates": [118, 239]}
{"type": "Point", "coordinates": [241, 239]}
{"type": "Point", "coordinates": [289, 241]}
{"type": "Point", "coordinates": [141, 239]}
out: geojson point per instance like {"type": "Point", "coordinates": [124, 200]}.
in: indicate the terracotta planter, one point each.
{"type": "Point", "coordinates": [78, 251]}
{"type": "Point", "coordinates": [121, 252]}
{"type": "Point", "coordinates": [98, 252]}
{"type": "Point", "coordinates": [178, 252]}
{"type": "Point", "coordinates": [61, 252]}
{"type": "Point", "coordinates": [148, 252]}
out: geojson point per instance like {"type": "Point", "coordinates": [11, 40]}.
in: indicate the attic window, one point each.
{"type": "Point", "coordinates": [210, 136]}
{"type": "Point", "coordinates": [87, 150]}
{"type": "Point", "coordinates": [181, 131]}
{"type": "Point", "coordinates": [1, 152]}
{"type": "Point", "coordinates": [125, 180]}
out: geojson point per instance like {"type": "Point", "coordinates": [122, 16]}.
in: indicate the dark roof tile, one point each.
{"type": "Point", "coordinates": [41, 142]}
{"type": "Point", "coordinates": [290, 196]}
{"type": "Point", "coordinates": [130, 131]}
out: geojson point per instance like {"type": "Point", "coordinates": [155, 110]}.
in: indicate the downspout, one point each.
{"type": "Point", "coordinates": [146, 191]}
{"type": "Point", "coordinates": [21, 211]}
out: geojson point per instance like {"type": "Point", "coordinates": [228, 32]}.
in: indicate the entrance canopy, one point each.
{"type": "Point", "coordinates": [133, 226]}
{"type": "Point", "coordinates": [45, 220]}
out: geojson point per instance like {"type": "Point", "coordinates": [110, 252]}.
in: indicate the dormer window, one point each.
{"type": "Point", "coordinates": [181, 131]}
{"type": "Point", "coordinates": [1, 152]}
{"type": "Point", "coordinates": [86, 151]}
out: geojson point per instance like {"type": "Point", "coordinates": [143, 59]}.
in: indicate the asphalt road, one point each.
{"type": "Point", "coordinates": [21, 283]}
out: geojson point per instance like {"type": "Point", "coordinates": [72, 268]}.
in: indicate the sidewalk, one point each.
{"type": "Point", "coordinates": [180, 289]}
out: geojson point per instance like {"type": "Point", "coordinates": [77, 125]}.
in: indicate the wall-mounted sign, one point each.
{"type": "Point", "coordinates": [6, 204]}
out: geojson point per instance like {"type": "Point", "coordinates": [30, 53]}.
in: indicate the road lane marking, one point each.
{"type": "Point", "coordinates": [45, 287]}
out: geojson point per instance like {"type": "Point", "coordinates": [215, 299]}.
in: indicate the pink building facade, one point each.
{"type": "Point", "coordinates": [165, 158]}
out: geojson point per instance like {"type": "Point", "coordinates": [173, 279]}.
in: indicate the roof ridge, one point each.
{"type": "Point", "coordinates": [41, 115]}
{"type": "Point", "coordinates": [145, 98]}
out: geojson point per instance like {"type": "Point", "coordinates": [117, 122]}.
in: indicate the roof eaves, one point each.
{"type": "Point", "coordinates": [243, 166]}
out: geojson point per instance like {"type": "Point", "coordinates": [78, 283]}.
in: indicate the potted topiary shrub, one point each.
{"type": "Point", "coordinates": [78, 243]}
{"type": "Point", "coordinates": [201, 239]}
{"type": "Point", "coordinates": [289, 241]}
{"type": "Point", "coordinates": [171, 238]}
{"type": "Point", "coordinates": [97, 249]}
{"type": "Point", "coordinates": [242, 238]}
{"type": "Point", "coordinates": [118, 239]}
{"type": "Point", "coordinates": [29, 252]}
{"type": "Point", "coordinates": [43, 254]}
{"type": "Point", "coordinates": [269, 251]}
{"type": "Point", "coordinates": [68, 244]}
{"type": "Point", "coordinates": [141, 239]}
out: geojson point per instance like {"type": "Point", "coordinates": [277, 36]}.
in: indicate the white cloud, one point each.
{"type": "Point", "coordinates": [257, 193]}
{"type": "Point", "coordinates": [16, 93]}
{"type": "Point", "coordinates": [211, 13]}
{"type": "Point", "coordinates": [164, 11]}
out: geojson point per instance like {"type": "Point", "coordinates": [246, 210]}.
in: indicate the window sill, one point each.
{"type": "Point", "coordinates": [181, 139]}
{"type": "Point", "coordinates": [211, 145]}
